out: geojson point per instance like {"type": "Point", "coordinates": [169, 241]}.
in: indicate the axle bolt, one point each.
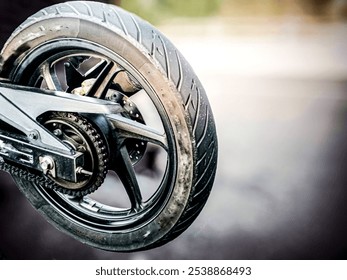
{"type": "Point", "coordinates": [47, 164]}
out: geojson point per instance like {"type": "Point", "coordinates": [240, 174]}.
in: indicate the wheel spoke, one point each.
{"type": "Point", "coordinates": [101, 85]}
{"type": "Point", "coordinates": [70, 139]}
{"type": "Point", "coordinates": [126, 173]}
{"type": "Point", "coordinates": [127, 128]}
{"type": "Point", "coordinates": [74, 78]}
{"type": "Point", "coordinates": [96, 70]}
{"type": "Point", "coordinates": [38, 82]}
{"type": "Point", "coordinates": [50, 76]}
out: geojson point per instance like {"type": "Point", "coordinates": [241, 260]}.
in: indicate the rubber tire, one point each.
{"type": "Point", "coordinates": [177, 87]}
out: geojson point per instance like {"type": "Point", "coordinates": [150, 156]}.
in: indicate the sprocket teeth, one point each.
{"type": "Point", "coordinates": [100, 154]}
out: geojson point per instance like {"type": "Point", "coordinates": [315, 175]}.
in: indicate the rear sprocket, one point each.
{"type": "Point", "coordinates": [78, 133]}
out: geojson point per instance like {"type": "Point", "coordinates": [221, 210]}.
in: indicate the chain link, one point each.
{"type": "Point", "coordinates": [46, 182]}
{"type": "Point", "coordinates": [26, 175]}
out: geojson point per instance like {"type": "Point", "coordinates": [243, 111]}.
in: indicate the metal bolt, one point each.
{"type": "Point", "coordinates": [57, 132]}
{"type": "Point", "coordinates": [80, 170]}
{"type": "Point", "coordinates": [33, 135]}
{"type": "Point", "coordinates": [46, 163]}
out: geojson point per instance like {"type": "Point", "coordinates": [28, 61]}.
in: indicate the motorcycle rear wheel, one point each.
{"type": "Point", "coordinates": [91, 31]}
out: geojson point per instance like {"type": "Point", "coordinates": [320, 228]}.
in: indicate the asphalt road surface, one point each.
{"type": "Point", "coordinates": [279, 96]}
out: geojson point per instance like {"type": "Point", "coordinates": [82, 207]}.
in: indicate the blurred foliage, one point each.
{"type": "Point", "coordinates": [252, 7]}
{"type": "Point", "coordinates": [159, 10]}
{"type": "Point", "coordinates": [315, 7]}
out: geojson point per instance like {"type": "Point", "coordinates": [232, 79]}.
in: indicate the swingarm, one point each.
{"type": "Point", "coordinates": [38, 148]}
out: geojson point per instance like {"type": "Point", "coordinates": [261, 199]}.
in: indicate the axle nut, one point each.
{"type": "Point", "coordinates": [47, 164]}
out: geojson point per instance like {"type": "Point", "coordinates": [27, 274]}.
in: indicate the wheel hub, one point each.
{"type": "Point", "coordinates": [121, 87]}
{"type": "Point", "coordinates": [78, 133]}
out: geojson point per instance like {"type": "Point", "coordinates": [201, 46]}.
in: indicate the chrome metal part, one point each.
{"type": "Point", "coordinates": [48, 166]}
{"type": "Point", "coordinates": [17, 109]}
{"type": "Point", "coordinates": [77, 132]}
{"type": "Point", "coordinates": [80, 170]}
{"type": "Point", "coordinates": [8, 150]}
{"type": "Point", "coordinates": [51, 162]}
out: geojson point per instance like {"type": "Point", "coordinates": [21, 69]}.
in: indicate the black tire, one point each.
{"type": "Point", "coordinates": [176, 88]}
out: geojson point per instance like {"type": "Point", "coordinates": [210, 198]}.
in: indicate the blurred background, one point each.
{"type": "Point", "coordinates": [276, 75]}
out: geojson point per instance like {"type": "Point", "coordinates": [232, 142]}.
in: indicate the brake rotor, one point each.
{"type": "Point", "coordinates": [136, 148]}
{"type": "Point", "coordinates": [122, 87]}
